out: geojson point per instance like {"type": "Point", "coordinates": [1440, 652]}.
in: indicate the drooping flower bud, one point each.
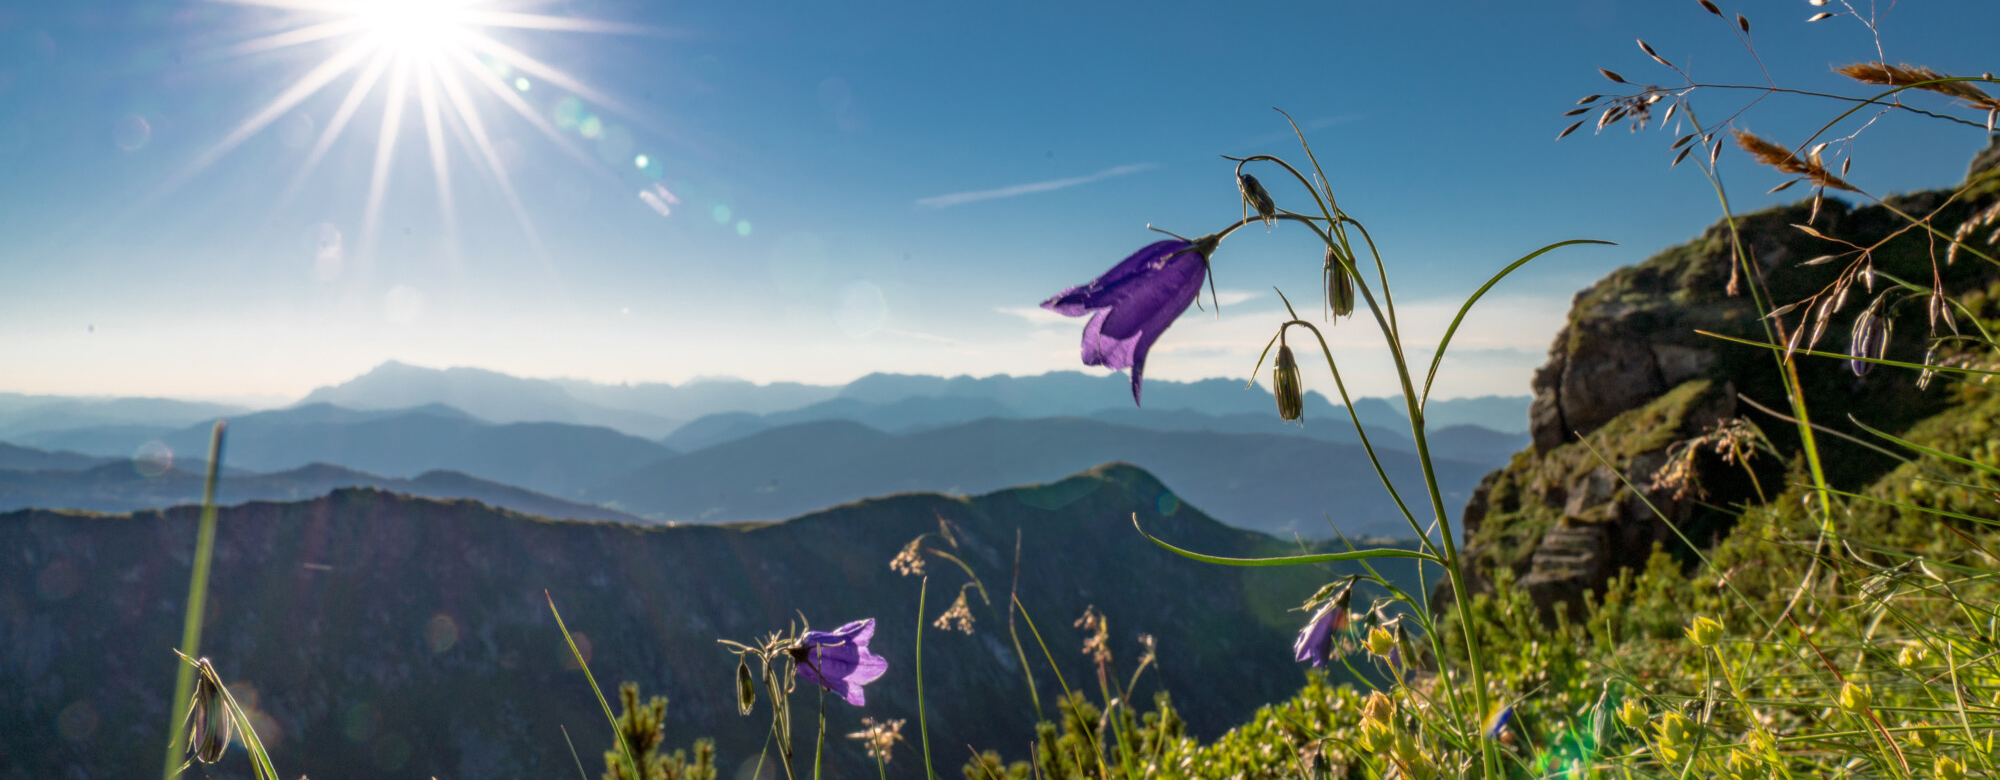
{"type": "Point", "coordinates": [1285, 385]}
{"type": "Point", "coordinates": [1948, 768]}
{"type": "Point", "coordinates": [1339, 286]}
{"type": "Point", "coordinates": [1870, 340]}
{"type": "Point", "coordinates": [1255, 197]}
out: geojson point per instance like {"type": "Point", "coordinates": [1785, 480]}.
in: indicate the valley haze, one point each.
{"type": "Point", "coordinates": [722, 450]}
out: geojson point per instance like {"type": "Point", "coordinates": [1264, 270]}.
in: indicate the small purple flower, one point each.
{"type": "Point", "coordinates": [1315, 642]}
{"type": "Point", "coordinates": [1497, 725]}
{"type": "Point", "coordinates": [839, 659]}
{"type": "Point", "coordinates": [1135, 301]}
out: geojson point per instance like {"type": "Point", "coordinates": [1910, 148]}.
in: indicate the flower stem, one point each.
{"type": "Point", "coordinates": [923, 723]}
{"type": "Point", "coordinates": [820, 746]}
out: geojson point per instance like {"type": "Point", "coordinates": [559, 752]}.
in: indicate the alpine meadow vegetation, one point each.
{"type": "Point", "coordinates": [1825, 618]}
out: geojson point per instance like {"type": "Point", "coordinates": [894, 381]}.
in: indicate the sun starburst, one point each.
{"type": "Point", "coordinates": [433, 56]}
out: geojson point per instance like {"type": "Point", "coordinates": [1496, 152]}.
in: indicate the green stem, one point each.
{"type": "Point", "coordinates": [820, 746]}
{"type": "Point", "coordinates": [923, 723]}
{"type": "Point", "coordinates": [204, 553]}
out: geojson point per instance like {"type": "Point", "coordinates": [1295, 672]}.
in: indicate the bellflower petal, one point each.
{"type": "Point", "coordinates": [1315, 642]}
{"type": "Point", "coordinates": [839, 660]}
{"type": "Point", "coordinates": [1133, 303]}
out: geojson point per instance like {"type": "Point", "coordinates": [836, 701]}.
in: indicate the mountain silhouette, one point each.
{"type": "Point", "coordinates": [1272, 483]}
{"type": "Point", "coordinates": [381, 635]}
{"type": "Point", "coordinates": [553, 458]}
{"type": "Point", "coordinates": [126, 486]}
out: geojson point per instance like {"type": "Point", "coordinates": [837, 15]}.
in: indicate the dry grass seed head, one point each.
{"type": "Point", "coordinates": [1906, 75]}
{"type": "Point", "coordinates": [1788, 161]}
{"type": "Point", "coordinates": [959, 617]}
{"type": "Point", "coordinates": [1965, 230]}
{"type": "Point", "coordinates": [910, 560]}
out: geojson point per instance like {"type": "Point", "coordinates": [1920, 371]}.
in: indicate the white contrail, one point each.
{"type": "Point", "coordinates": [956, 198]}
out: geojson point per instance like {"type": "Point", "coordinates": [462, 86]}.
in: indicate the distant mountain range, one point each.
{"type": "Point", "coordinates": [381, 635]}
{"type": "Point", "coordinates": [1272, 483]}
{"type": "Point", "coordinates": [723, 450]}
{"type": "Point", "coordinates": [555, 458]}
{"type": "Point", "coordinates": [919, 413]}
{"type": "Point", "coordinates": [22, 415]}
{"type": "Point", "coordinates": [123, 486]}
{"type": "Point", "coordinates": [1280, 483]}
{"type": "Point", "coordinates": [15, 458]}
{"type": "Point", "coordinates": [489, 395]}
{"type": "Point", "coordinates": [655, 410]}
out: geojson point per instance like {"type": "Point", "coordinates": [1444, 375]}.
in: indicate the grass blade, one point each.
{"type": "Point", "coordinates": [1931, 451]}
{"type": "Point", "coordinates": [1839, 356]}
{"type": "Point", "coordinates": [1290, 560]}
{"type": "Point", "coordinates": [204, 553]}
{"type": "Point", "coordinates": [1467, 307]}
{"type": "Point", "coordinates": [623, 749]}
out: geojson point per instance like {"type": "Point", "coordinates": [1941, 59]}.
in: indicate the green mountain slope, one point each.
{"type": "Point", "coordinates": [388, 636]}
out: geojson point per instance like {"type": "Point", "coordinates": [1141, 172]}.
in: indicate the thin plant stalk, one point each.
{"type": "Point", "coordinates": [820, 746]}
{"type": "Point", "coordinates": [923, 723]}
{"type": "Point", "coordinates": [623, 749]}
{"type": "Point", "coordinates": [204, 553]}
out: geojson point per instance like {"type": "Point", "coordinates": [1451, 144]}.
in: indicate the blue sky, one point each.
{"type": "Point", "coordinates": [846, 188]}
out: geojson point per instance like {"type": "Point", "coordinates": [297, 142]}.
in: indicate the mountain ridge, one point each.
{"type": "Point", "coordinates": [379, 635]}
{"type": "Point", "coordinates": [1272, 483]}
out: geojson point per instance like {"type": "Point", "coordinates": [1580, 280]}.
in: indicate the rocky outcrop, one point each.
{"type": "Point", "coordinates": [1638, 373]}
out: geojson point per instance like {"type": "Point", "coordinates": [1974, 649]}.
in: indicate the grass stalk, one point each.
{"type": "Point", "coordinates": [617, 734]}
{"type": "Point", "coordinates": [923, 723]}
{"type": "Point", "coordinates": [204, 553]}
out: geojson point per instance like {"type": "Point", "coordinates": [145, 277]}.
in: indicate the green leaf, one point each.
{"type": "Point", "coordinates": [1290, 560]}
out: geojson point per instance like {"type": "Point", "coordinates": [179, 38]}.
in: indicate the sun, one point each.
{"type": "Point", "coordinates": [431, 58]}
{"type": "Point", "coordinates": [419, 28]}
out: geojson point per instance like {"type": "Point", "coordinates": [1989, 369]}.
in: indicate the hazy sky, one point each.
{"type": "Point", "coordinates": [814, 191]}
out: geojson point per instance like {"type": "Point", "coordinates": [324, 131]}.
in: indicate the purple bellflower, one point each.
{"type": "Point", "coordinates": [839, 659]}
{"type": "Point", "coordinates": [1315, 642]}
{"type": "Point", "coordinates": [1135, 301]}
